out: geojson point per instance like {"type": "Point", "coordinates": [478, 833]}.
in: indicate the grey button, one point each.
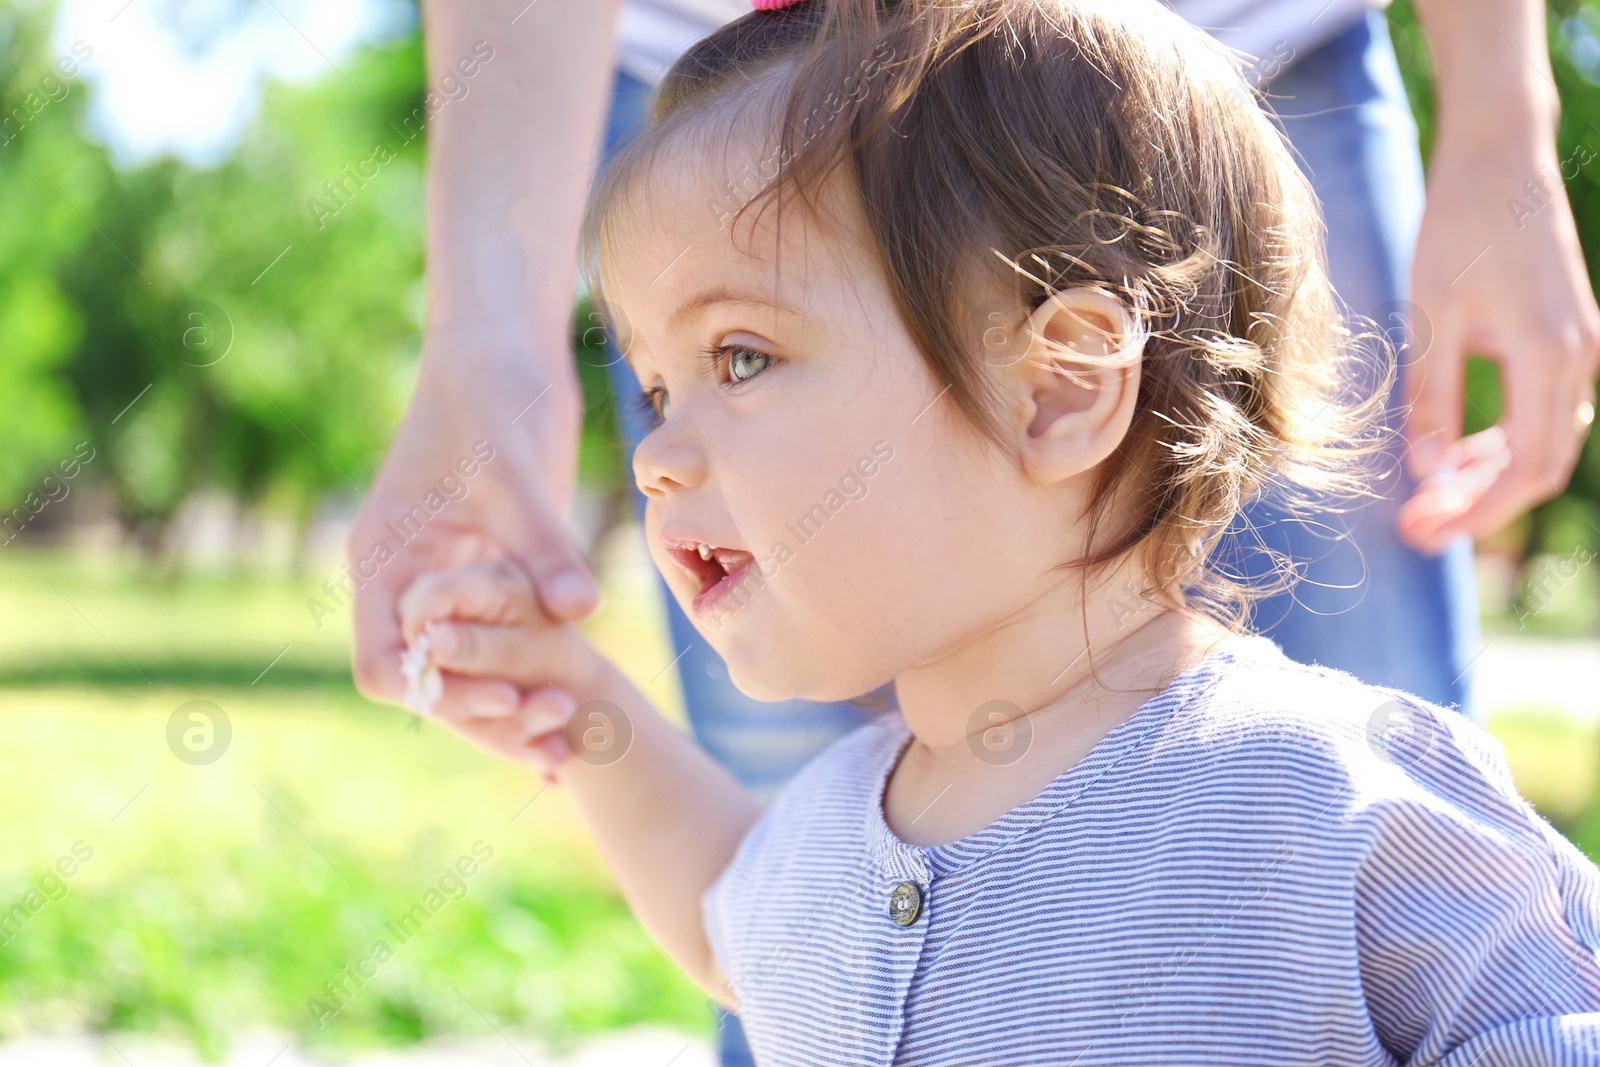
{"type": "Point", "coordinates": [905, 902]}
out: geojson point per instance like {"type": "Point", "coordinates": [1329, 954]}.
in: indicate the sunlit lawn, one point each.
{"type": "Point", "coordinates": [224, 897]}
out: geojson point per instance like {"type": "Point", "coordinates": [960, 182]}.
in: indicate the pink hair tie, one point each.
{"type": "Point", "coordinates": [772, 5]}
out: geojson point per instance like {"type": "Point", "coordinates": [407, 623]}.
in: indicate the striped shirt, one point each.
{"type": "Point", "coordinates": [1268, 863]}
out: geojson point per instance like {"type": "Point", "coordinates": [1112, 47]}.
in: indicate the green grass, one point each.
{"type": "Point", "coordinates": [221, 897]}
{"type": "Point", "coordinates": [1556, 764]}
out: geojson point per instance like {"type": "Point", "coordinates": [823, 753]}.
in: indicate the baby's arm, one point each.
{"type": "Point", "coordinates": [667, 817]}
{"type": "Point", "coordinates": [1478, 925]}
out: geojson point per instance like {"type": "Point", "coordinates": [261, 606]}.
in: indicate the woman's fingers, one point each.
{"type": "Point", "coordinates": [380, 639]}
{"type": "Point", "coordinates": [1465, 482]}
{"type": "Point", "coordinates": [566, 587]}
{"type": "Point", "coordinates": [494, 591]}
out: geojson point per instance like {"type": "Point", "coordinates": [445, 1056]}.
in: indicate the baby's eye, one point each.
{"type": "Point", "coordinates": [651, 403]}
{"type": "Point", "coordinates": [740, 359]}
{"type": "Point", "coordinates": [739, 355]}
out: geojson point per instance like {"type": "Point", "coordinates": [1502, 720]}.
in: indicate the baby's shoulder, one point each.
{"type": "Point", "coordinates": [1266, 714]}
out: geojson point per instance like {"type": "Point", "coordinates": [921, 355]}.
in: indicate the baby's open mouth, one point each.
{"type": "Point", "coordinates": [707, 563]}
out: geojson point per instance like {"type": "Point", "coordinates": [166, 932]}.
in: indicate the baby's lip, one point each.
{"type": "Point", "coordinates": [705, 572]}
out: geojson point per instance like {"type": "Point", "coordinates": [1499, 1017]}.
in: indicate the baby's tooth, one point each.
{"type": "Point", "coordinates": [705, 551]}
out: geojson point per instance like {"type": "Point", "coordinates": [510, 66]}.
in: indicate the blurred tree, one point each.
{"type": "Point", "coordinates": [40, 326]}
{"type": "Point", "coordinates": [253, 327]}
{"type": "Point", "coordinates": [264, 313]}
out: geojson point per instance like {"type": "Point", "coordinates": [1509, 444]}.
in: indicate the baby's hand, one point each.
{"type": "Point", "coordinates": [510, 677]}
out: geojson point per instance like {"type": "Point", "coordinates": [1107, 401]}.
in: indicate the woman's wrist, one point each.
{"type": "Point", "coordinates": [1493, 85]}
{"type": "Point", "coordinates": [501, 370]}
{"type": "Point", "coordinates": [1510, 108]}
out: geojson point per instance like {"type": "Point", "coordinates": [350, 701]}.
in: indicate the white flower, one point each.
{"type": "Point", "coordinates": [424, 686]}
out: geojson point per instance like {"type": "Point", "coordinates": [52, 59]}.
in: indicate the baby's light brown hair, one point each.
{"type": "Point", "coordinates": [1004, 150]}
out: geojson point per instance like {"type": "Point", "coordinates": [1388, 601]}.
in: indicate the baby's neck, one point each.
{"type": "Point", "coordinates": [965, 766]}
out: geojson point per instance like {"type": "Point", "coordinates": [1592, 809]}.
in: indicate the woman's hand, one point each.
{"type": "Point", "coordinates": [1511, 285]}
{"type": "Point", "coordinates": [504, 202]}
{"type": "Point", "coordinates": [512, 677]}
{"type": "Point", "coordinates": [1498, 271]}
{"type": "Point", "coordinates": [479, 389]}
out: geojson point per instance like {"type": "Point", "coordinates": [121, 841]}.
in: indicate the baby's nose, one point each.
{"type": "Point", "coordinates": [672, 457]}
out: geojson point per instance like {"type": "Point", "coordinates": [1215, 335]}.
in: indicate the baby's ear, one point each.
{"type": "Point", "coordinates": [1074, 389]}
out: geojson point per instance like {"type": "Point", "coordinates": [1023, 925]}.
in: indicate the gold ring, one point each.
{"type": "Point", "coordinates": [1586, 413]}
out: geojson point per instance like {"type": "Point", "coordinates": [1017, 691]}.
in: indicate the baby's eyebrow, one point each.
{"type": "Point", "coordinates": [721, 295]}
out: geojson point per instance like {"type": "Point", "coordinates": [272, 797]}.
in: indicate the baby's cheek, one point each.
{"type": "Point", "coordinates": [847, 567]}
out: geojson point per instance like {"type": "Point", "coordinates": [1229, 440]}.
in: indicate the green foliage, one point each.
{"type": "Point", "coordinates": [261, 317]}
{"type": "Point", "coordinates": [40, 327]}
{"type": "Point", "coordinates": [600, 457]}
{"type": "Point", "coordinates": [275, 338]}
{"type": "Point", "coordinates": [252, 327]}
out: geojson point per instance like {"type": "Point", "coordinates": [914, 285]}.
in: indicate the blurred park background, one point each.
{"type": "Point", "coordinates": [211, 220]}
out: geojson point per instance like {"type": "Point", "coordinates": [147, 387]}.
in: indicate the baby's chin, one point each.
{"type": "Point", "coordinates": [769, 690]}
{"type": "Point", "coordinates": [759, 676]}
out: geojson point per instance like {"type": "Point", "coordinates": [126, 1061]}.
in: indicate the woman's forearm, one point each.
{"type": "Point", "coordinates": [509, 167]}
{"type": "Point", "coordinates": [1492, 80]}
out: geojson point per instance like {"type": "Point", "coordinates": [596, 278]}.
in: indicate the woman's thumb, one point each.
{"type": "Point", "coordinates": [562, 579]}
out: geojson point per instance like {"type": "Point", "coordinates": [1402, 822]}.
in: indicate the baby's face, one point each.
{"type": "Point", "coordinates": [873, 529]}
